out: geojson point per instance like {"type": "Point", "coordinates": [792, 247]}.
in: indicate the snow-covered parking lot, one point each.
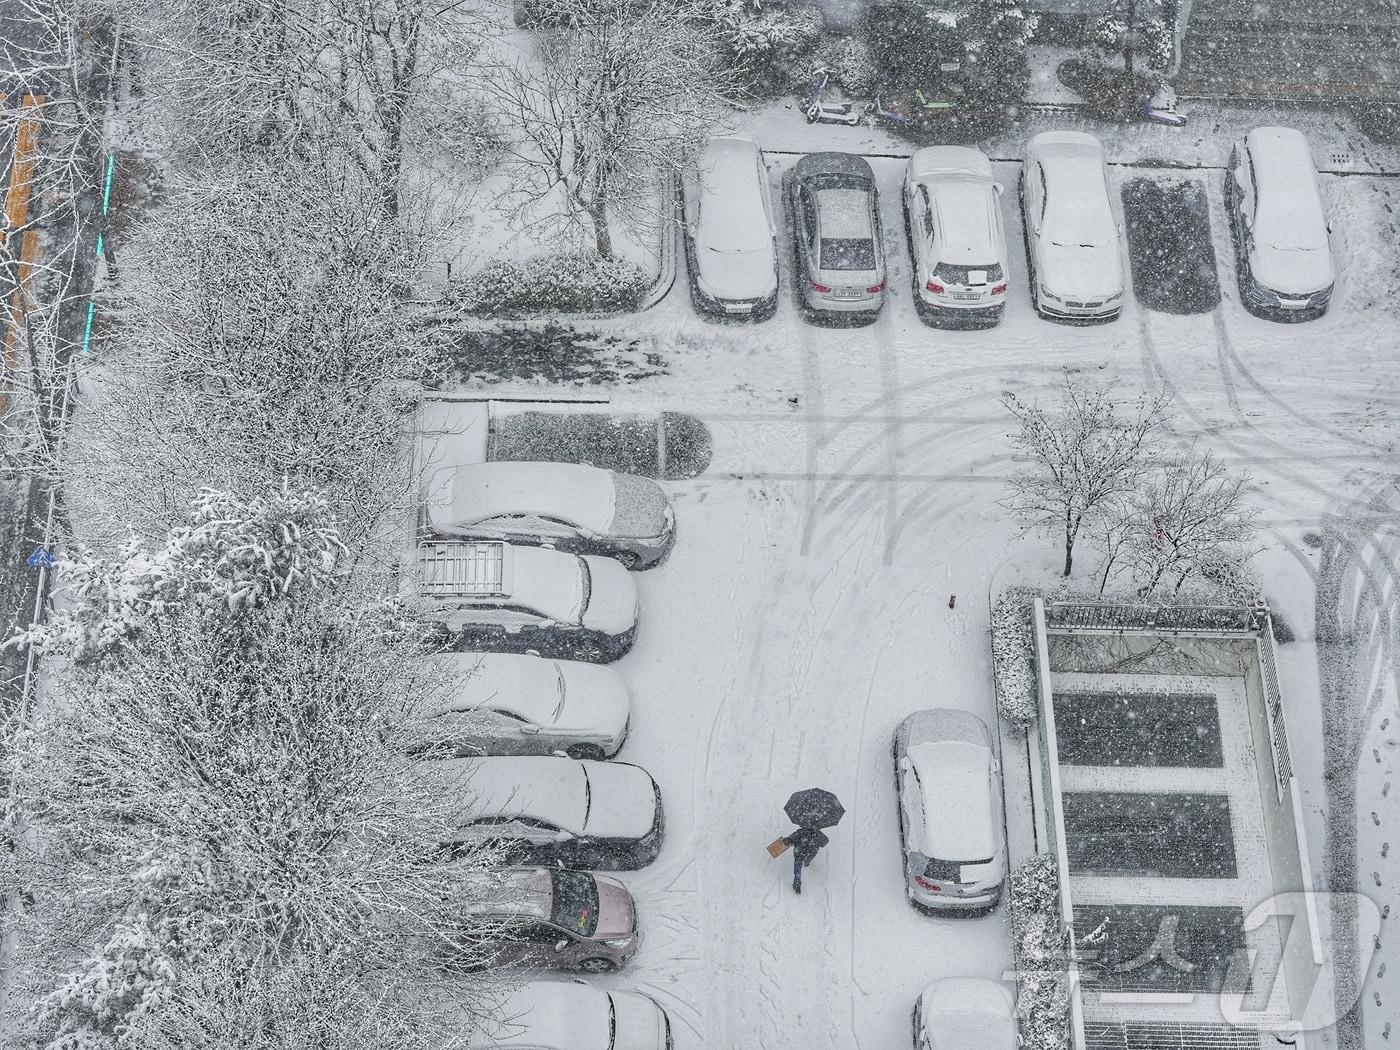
{"type": "Point", "coordinates": [853, 492]}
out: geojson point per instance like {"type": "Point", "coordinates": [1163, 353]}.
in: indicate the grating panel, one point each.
{"type": "Point", "coordinates": [1129, 1035]}
{"type": "Point", "coordinates": [465, 570]}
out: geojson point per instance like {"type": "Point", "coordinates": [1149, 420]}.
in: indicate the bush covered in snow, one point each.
{"type": "Point", "coordinates": [854, 65]}
{"type": "Point", "coordinates": [579, 282]}
{"type": "Point", "coordinates": [770, 48]}
{"type": "Point", "coordinates": [1040, 944]}
{"type": "Point", "coordinates": [1013, 657]}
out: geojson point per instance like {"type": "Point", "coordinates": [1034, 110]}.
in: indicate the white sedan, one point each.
{"type": "Point", "coordinates": [1073, 232]}
{"type": "Point", "coordinates": [951, 823]}
{"type": "Point", "coordinates": [564, 505]}
{"type": "Point", "coordinates": [524, 704]}
{"type": "Point", "coordinates": [558, 1015]}
{"type": "Point", "coordinates": [556, 810]}
{"type": "Point", "coordinates": [965, 1013]}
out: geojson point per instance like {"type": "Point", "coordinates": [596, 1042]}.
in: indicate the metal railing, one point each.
{"type": "Point", "coordinates": [1106, 616]}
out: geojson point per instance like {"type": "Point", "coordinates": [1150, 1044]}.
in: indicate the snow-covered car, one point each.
{"type": "Point", "coordinates": [731, 235]}
{"type": "Point", "coordinates": [1283, 251]}
{"type": "Point", "coordinates": [573, 1015]}
{"type": "Point", "coordinates": [835, 217]}
{"type": "Point", "coordinates": [951, 825]}
{"type": "Point", "coordinates": [561, 919]}
{"type": "Point", "coordinates": [1073, 232]}
{"type": "Point", "coordinates": [557, 810]}
{"type": "Point", "coordinates": [502, 597]}
{"type": "Point", "coordinates": [965, 1013]}
{"type": "Point", "coordinates": [524, 704]}
{"type": "Point", "coordinates": [952, 210]}
{"type": "Point", "coordinates": [563, 505]}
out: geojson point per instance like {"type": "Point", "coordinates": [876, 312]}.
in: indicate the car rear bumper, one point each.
{"type": "Point", "coordinates": [941, 902]}
{"type": "Point", "coordinates": [869, 304]}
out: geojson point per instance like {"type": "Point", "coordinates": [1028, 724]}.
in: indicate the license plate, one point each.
{"type": "Point", "coordinates": [1293, 304]}
{"type": "Point", "coordinates": [967, 297]}
{"type": "Point", "coordinates": [847, 293]}
{"type": "Point", "coordinates": [738, 308]}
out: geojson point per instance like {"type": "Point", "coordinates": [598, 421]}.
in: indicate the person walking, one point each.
{"type": "Point", "coordinates": [806, 843]}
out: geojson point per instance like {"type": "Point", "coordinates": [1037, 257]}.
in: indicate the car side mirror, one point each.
{"type": "Point", "coordinates": [999, 188]}
{"type": "Point", "coordinates": [1329, 225]}
{"type": "Point", "coordinates": [529, 730]}
{"type": "Point", "coordinates": [904, 763]}
{"type": "Point", "coordinates": [561, 945]}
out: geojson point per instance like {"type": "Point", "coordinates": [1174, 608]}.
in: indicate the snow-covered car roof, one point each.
{"type": "Point", "coordinates": [845, 214]}
{"type": "Point", "coordinates": [546, 788]}
{"type": "Point", "coordinates": [846, 165]}
{"type": "Point", "coordinates": [567, 492]}
{"type": "Point", "coordinates": [954, 776]}
{"type": "Point", "coordinates": [603, 799]}
{"type": "Point", "coordinates": [960, 1013]}
{"type": "Point", "coordinates": [554, 1014]}
{"type": "Point", "coordinates": [732, 215]}
{"type": "Point", "coordinates": [537, 689]}
{"type": "Point", "coordinates": [548, 581]}
{"type": "Point", "coordinates": [1290, 215]}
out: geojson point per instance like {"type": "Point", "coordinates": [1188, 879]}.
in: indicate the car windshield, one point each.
{"type": "Point", "coordinates": [844, 253]}
{"type": "Point", "coordinates": [954, 273]}
{"type": "Point", "coordinates": [575, 904]}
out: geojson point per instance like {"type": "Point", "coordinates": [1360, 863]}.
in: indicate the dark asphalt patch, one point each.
{"type": "Point", "coordinates": [551, 353]}
{"type": "Point", "coordinates": [1138, 729]}
{"type": "Point", "coordinates": [1165, 836]}
{"type": "Point", "coordinates": [672, 445]}
{"type": "Point", "coordinates": [1169, 245]}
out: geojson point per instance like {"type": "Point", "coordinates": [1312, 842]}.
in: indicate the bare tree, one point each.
{"type": "Point", "coordinates": [611, 103]}
{"type": "Point", "coordinates": [1082, 455]}
{"type": "Point", "coordinates": [1190, 517]}
{"type": "Point", "coordinates": [229, 823]}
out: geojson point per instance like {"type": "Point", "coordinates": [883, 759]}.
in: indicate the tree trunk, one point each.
{"type": "Point", "coordinates": [1069, 552]}
{"type": "Point", "coordinates": [602, 235]}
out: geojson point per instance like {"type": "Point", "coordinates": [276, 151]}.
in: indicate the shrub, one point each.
{"type": "Point", "coordinates": [854, 65]}
{"type": "Point", "coordinates": [771, 48]}
{"type": "Point", "coordinates": [1041, 948]}
{"type": "Point", "coordinates": [1013, 658]}
{"type": "Point", "coordinates": [568, 282]}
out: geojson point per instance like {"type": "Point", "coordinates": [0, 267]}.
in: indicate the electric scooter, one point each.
{"type": "Point", "coordinates": [818, 111]}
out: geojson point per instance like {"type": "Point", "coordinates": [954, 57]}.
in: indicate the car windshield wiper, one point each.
{"type": "Point", "coordinates": [587, 794]}
{"type": "Point", "coordinates": [559, 679]}
{"type": "Point", "coordinates": [586, 576]}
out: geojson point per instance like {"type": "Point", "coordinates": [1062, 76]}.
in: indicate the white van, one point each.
{"type": "Point", "coordinates": [731, 246]}
{"type": "Point", "coordinates": [1283, 251]}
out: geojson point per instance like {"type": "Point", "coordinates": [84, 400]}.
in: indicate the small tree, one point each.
{"type": "Point", "coordinates": [1083, 456]}
{"type": "Point", "coordinates": [1190, 518]}
{"type": "Point", "coordinates": [1135, 28]}
{"type": "Point", "coordinates": [611, 104]}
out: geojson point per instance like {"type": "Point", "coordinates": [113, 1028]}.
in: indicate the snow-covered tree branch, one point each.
{"type": "Point", "coordinates": [611, 102]}
{"type": "Point", "coordinates": [229, 822]}
{"type": "Point", "coordinates": [1082, 456]}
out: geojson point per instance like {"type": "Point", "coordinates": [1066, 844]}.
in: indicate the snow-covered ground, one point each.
{"type": "Point", "coordinates": [853, 492]}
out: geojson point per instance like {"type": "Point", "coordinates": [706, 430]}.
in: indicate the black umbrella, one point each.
{"type": "Point", "coordinates": [814, 808]}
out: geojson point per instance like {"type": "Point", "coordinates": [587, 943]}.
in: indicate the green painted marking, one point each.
{"type": "Point", "coordinates": [87, 327]}
{"type": "Point", "coordinates": [107, 188]}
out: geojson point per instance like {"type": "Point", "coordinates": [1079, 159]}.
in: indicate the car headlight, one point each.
{"type": "Point", "coordinates": [1049, 294]}
{"type": "Point", "coordinates": [619, 943]}
{"type": "Point", "coordinates": [1114, 297]}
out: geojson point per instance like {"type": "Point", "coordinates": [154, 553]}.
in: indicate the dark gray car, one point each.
{"type": "Point", "coordinates": [835, 217]}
